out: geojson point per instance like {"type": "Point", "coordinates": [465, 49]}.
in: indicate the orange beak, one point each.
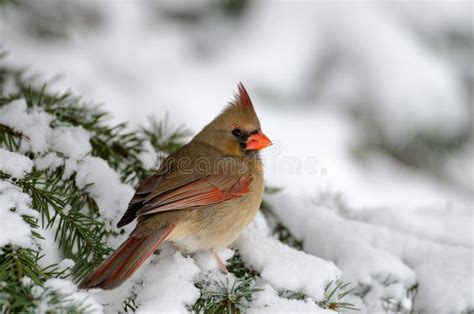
{"type": "Point", "coordinates": [258, 141]}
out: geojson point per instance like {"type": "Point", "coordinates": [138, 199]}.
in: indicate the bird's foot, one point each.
{"type": "Point", "coordinates": [221, 264]}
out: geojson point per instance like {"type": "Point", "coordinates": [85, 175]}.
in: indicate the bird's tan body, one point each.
{"type": "Point", "coordinates": [212, 227]}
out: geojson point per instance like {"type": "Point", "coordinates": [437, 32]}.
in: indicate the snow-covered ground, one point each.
{"type": "Point", "coordinates": [308, 67]}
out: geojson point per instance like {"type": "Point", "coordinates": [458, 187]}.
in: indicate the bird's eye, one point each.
{"type": "Point", "coordinates": [237, 132]}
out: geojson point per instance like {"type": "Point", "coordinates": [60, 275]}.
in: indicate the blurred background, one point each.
{"type": "Point", "coordinates": [369, 101]}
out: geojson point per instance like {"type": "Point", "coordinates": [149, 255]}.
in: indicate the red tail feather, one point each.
{"type": "Point", "coordinates": [125, 260]}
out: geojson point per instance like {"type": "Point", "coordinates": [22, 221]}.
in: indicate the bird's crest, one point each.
{"type": "Point", "coordinates": [242, 97]}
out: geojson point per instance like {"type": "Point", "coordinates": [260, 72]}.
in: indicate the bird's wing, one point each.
{"type": "Point", "coordinates": [173, 190]}
{"type": "Point", "coordinates": [212, 189]}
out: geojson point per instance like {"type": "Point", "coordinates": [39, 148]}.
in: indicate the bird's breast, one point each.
{"type": "Point", "coordinates": [215, 227]}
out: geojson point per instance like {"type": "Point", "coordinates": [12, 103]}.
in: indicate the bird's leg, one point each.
{"type": "Point", "coordinates": [220, 263]}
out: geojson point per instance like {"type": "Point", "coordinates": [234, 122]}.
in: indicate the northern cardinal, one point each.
{"type": "Point", "coordinates": [201, 198]}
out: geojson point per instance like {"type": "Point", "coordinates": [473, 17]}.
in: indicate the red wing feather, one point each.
{"type": "Point", "coordinates": [210, 190]}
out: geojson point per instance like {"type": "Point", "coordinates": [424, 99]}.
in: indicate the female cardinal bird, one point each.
{"type": "Point", "coordinates": [201, 198]}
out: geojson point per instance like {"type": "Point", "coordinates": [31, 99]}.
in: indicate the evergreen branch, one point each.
{"type": "Point", "coordinates": [334, 293]}
{"type": "Point", "coordinates": [225, 296]}
{"type": "Point", "coordinates": [129, 305]}
{"type": "Point", "coordinates": [28, 298]}
{"type": "Point", "coordinates": [9, 138]}
{"type": "Point", "coordinates": [79, 236]}
{"type": "Point", "coordinates": [16, 264]}
{"type": "Point", "coordinates": [80, 232]}
{"type": "Point", "coordinates": [163, 137]}
{"type": "Point", "coordinates": [236, 266]}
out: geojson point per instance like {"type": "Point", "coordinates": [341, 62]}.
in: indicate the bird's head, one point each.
{"type": "Point", "coordinates": [236, 131]}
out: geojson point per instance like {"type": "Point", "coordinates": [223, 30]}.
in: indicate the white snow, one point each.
{"type": "Point", "coordinates": [9, 86]}
{"type": "Point", "coordinates": [389, 261]}
{"type": "Point", "coordinates": [103, 183]}
{"type": "Point", "coordinates": [14, 164]}
{"type": "Point", "coordinates": [111, 300]}
{"type": "Point", "coordinates": [70, 166]}
{"type": "Point", "coordinates": [206, 262]}
{"type": "Point", "coordinates": [71, 141]}
{"type": "Point", "coordinates": [168, 285]}
{"type": "Point", "coordinates": [34, 124]}
{"type": "Point", "coordinates": [73, 295]}
{"type": "Point", "coordinates": [14, 230]}
{"type": "Point", "coordinates": [66, 264]}
{"type": "Point", "coordinates": [411, 89]}
{"type": "Point", "coordinates": [48, 161]}
{"type": "Point", "coordinates": [268, 301]}
{"type": "Point", "coordinates": [49, 245]}
{"type": "Point", "coordinates": [149, 156]}
{"type": "Point", "coordinates": [26, 281]}
{"type": "Point", "coordinates": [290, 269]}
